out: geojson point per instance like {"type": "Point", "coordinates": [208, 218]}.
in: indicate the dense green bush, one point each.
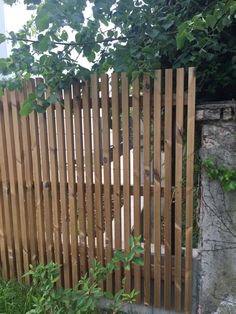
{"type": "Point", "coordinates": [140, 36]}
{"type": "Point", "coordinates": [43, 298]}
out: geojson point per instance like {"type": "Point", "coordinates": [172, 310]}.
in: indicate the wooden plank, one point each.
{"type": "Point", "coordinates": [168, 184]}
{"type": "Point", "coordinates": [132, 189]}
{"type": "Point", "coordinates": [10, 149]}
{"type": "Point", "coordinates": [136, 178]}
{"type": "Point", "coordinates": [13, 189]}
{"type": "Point", "coordinates": [80, 178]}
{"type": "Point", "coordinates": [157, 189]}
{"type": "Point", "coordinates": [63, 194]}
{"type": "Point", "coordinates": [190, 187]}
{"type": "Point", "coordinates": [45, 170]}
{"type": "Point", "coordinates": [97, 166]}
{"type": "Point", "coordinates": [107, 175]}
{"type": "Point", "coordinates": [34, 133]}
{"type": "Point", "coordinates": [141, 101]}
{"type": "Point", "coordinates": [89, 173]}
{"type": "Point", "coordinates": [3, 241]}
{"type": "Point", "coordinates": [5, 206]}
{"type": "Point", "coordinates": [20, 181]}
{"type": "Point", "coordinates": [72, 193]}
{"type": "Point", "coordinates": [147, 200]}
{"type": "Point", "coordinates": [54, 188]}
{"type": "Point", "coordinates": [29, 185]}
{"type": "Point", "coordinates": [126, 170]}
{"type": "Point", "coordinates": [162, 269]}
{"type": "Point", "coordinates": [178, 184]}
{"type": "Point", "coordinates": [116, 170]}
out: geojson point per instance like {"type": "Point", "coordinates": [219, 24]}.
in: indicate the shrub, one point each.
{"type": "Point", "coordinates": [43, 297]}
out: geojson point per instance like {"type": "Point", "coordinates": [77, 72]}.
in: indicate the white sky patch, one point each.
{"type": "Point", "coordinates": [17, 15]}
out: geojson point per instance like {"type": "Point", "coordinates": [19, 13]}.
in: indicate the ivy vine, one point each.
{"type": "Point", "coordinates": [226, 176]}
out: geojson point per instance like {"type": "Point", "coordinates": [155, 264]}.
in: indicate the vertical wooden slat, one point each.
{"type": "Point", "coordinates": [63, 195]}
{"type": "Point", "coordinates": [178, 184]}
{"type": "Point", "coordinates": [20, 181]}
{"type": "Point", "coordinates": [89, 171]}
{"type": "Point", "coordinates": [13, 189]}
{"type": "Point", "coordinates": [116, 170]}
{"type": "Point", "coordinates": [3, 240]}
{"type": "Point", "coordinates": [45, 170]}
{"type": "Point", "coordinates": [107, 175]}
{"type": "Point", "coordinates": [6, 197]}
{"type": "Point", "coordinates": [168, 183]}
{"type": "Point", "coordinates": [77, 106]}
{"type": "Point", "coordinates": [37, 179]}
{"type": "Point", "coordinates": [55, 188]}
{"type": "Point", "coordinates": [189, 187]}
{"type": "Point", "coordinates": [147, 209]}
{"type": "Point", "coordinates": [136, 175]}
{"type": "Point", "coordinates": [71, 183]}
{"type": "Point", "coordinates": [157, 189]}
{"type": "Point", "coordinates": [97, 165]}
{"type": "Point", "coordinates": [126, 171]}
{"type": "Point", "coordinates": [28, 175]}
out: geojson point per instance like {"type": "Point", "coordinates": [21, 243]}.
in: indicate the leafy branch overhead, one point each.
{"type": "Point", "coordinates": [122, 35]}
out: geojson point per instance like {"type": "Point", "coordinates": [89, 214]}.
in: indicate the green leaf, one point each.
{"type": "Point", "coordinates": [127, 267]}
{"type": "Point", "coordinates": [40, 89]}
{"type": "Point", "coordinates": [44, 43]}
{"type": "Point", "coordinates": [118, 256]}
{"type": "Point", "coordinates": [28, 105]}
{"type": "Point", "coordinates": [2, 38]}
{"type": "Point", "coordinates": [138, 261]}
{"type": "Point", "coordinates": [26, 108]}
{"type": "Point", "coordinates": [110, 34]}
{"type": "Point", "coordinates": [130, 256]}
{"type": "Point", "coordinates": [139, 249]}
{"type": "Point", "coordinates": [181, 38]}
{"type": "Point", "coordinates": [100, 37]}
{"type": "Point", "coordinates": [64, 36]}
{"type": "Point", "coordinates": [108, 295]}
{"type": "Point", "coordinates": [42, 21]}
{"type": "Point", "coordinates": [78, 38]}
{"type": "Point", "coordinates": [131, 241]}
{"type": "Point", "coordinates": [211, 20]}
{"type": "Point", "coordinates": [52, 99]}
{"type": "Point", "coordinates": [91, 56]}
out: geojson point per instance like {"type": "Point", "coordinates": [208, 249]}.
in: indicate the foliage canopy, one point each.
{"type": "Point", "coordinates": [136, 36]}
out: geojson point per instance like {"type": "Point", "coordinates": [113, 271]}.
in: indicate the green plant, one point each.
{"type": "Point", "coordinates": [14, 298]}
{"type": "Point", "coordinates": [45, 298]}
{"type": "Point", "coordinates": [226, 176]}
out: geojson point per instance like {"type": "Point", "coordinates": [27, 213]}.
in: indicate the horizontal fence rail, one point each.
{"type": "Point", "coordinates": [114, 160]}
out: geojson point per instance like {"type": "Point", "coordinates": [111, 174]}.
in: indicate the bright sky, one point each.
{"type": "Point", "coordinates": [15, 16]}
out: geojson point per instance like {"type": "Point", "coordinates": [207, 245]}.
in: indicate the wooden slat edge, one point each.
{"type": "Point", "coordinates": [178, 184]}
{"type": "Point", "coordinates": [189, 187]}
{"type": "Point", "coordinates": [157, 189]}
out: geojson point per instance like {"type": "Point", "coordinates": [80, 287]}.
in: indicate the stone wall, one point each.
{"type": "Point", "coordinates": [217, 247]}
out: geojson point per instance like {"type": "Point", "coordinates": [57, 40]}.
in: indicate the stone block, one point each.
{"type": "Point", "coordinates": [200, 115]}
{"type": "Point", "coordinates": [213, 114]}
{"type": "Point", "coordinates": [227, 114]}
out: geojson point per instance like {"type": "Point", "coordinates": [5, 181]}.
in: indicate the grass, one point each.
{"type": "Point", "coordinates": [14, 298]}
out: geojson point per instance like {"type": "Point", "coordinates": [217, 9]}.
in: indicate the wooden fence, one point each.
{"type": "Point", "coordinates": [116, 159]}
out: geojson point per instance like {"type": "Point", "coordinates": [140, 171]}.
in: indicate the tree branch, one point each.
{"type": "Point", "coordinates": [73, 43]}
